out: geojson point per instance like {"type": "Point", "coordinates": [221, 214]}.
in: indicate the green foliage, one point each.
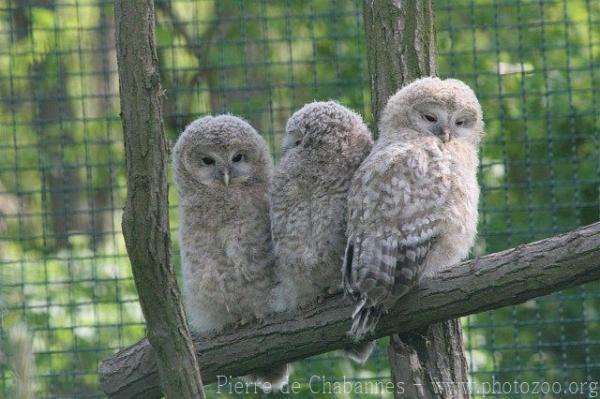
{"type": "Point", "coordinates": [534, 66]}
{"type": "Point", "coordinates": [63, 264]}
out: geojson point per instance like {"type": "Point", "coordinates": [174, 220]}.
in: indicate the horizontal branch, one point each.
{"type": "Point", "coordinates": [489, 282]}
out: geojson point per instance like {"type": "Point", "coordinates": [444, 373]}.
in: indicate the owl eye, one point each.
{"type": "Point", "coordinates": [297, 142]}
{"type": "Point", "coordinates": [208, 161]}
{"type": "Point", "coordinates": [460, 123]}
{"type": "Point", "coordinates": [237, 158]}
{"type": "Point", "coordinates": [429, 117]}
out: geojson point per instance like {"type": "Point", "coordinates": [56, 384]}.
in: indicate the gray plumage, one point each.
{"type": "Point", "coordinates": [323, 146]}
{"type": "Point", "coordinates": [223, 171]}
{"type": "Point", "coordinates": [412, 207]}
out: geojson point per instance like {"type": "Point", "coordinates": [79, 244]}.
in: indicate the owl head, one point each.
{"type": "Point", "coordinates": [322, 125]}
{"type": "Point", "coordinates": [447, 109]}
{"type": "Point", "coordinates": [221, 153]}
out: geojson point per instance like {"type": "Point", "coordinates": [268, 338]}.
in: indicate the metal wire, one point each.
{"type": "Point", "coordinates": [63, 265]}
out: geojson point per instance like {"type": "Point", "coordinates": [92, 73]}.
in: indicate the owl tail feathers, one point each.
{"type": "Point", "coordinates": [360, 353]}
{"type": "Point", "coordinates": [272, 380]}
{"type": "Point", "coordinates": [364, 320]}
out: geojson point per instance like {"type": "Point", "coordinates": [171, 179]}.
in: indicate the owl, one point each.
{"type": "Point", "coordinates": [412, 205]}
{"type": "Point", "coordinates": [223, 171]}
{"type": "Point", "coordinates": [323, 146]}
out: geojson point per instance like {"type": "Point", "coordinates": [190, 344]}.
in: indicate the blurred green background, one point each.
{"type": "Point", "coordinates": [63, 265]}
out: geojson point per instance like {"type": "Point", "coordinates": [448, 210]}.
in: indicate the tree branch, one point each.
{"type": "Point", "coordinates": [198, 47]}
{"type": "Point", "coordinates": [490, 282]}
{"type": "Point", "coordinates": [146, 217]}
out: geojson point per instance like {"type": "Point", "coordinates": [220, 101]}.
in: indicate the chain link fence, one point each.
{"type": "Point", "coordinates": [63, 265]}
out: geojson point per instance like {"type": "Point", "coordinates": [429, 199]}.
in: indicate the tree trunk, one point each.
{"type": "Point", "coordinates": [145, 218]}
{"type": "Point", "coordinates": [430, 363]}
{"type": "Point", "coordinates": [401, 46]}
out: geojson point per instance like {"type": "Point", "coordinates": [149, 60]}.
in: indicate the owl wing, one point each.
{"type": "Point", "coordinates": [393, 221]}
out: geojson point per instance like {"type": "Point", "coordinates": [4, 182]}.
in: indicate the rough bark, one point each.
{"type": "Point", "coordinates": [490, 282]}
{"type": "Point", "coordinates": [430, 362]}
{"type": "Point", "coordinates": [401, 46]}
{"type": "Point", "coordinates": [145, 218]}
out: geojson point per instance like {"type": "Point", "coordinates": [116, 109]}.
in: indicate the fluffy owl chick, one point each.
{"type": "Point", "coordinates": [323, 146]}
{"type": "Point", "coordinates": [223, 171]}
{"type": "Point", "coordinates": [412, 207]}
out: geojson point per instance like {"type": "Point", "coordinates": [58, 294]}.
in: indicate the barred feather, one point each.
{"type": "Point", "coordinates": [365, 320]}
{"type": "Point", "coordinates": [412, 205]}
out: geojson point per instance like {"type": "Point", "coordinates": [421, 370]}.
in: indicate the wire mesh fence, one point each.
{"type": "Point", "coordinates": [63, 266]}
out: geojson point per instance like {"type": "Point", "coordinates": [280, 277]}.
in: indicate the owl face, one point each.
{"type": "Point", "coordinates": [292, 139]}
{"type": "Point", "coordinates": [432, 118]}
{"type": "Point", "coordinates": [222, 152]}
{"type": "Point", "coordinates": [220, 166]}
{"type": "Point", "coordinates": [446, 109]}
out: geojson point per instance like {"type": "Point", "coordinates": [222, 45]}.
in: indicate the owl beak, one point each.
{"type": "Point", "coordinates": [445, 136]}
{"type": "Point", "coordinates": [226, 178]}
